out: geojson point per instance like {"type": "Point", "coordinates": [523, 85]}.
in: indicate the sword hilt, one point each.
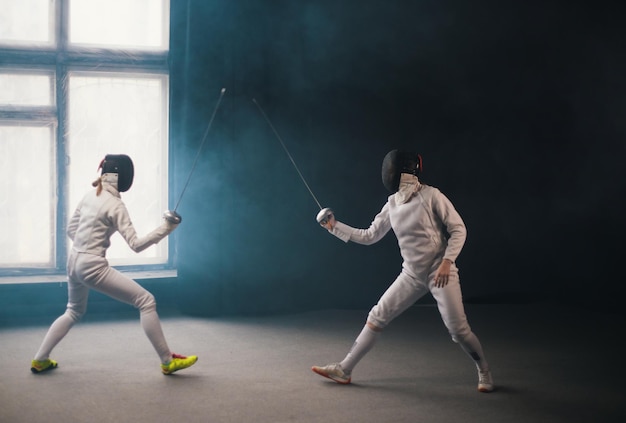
{"type": "Point", "coordinates": [172, 217]}
{"type": "Point", "coordinates": [324, 215]}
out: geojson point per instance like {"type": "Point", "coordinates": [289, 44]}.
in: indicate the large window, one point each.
{"type": "Point", "coordinates": [79, 79]}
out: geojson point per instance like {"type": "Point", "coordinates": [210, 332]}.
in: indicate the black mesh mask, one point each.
{"type": "Point", "coordinates": [123, 166]}
{"type": "Point", "coordinates": [397, 162]}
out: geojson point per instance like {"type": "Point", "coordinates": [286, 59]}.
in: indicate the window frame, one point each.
{"type": "Point", "coordinates": [59, 59]}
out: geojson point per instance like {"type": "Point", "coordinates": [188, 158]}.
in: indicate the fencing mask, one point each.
{"type": "Point", "coordinates": [397, 162]}
{"type": "Point", "coordinates": [123, 166]}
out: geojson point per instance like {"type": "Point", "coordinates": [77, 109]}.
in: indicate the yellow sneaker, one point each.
{"type": "Point", "coordinates": [178, 362]}
{"type": "Point", "coordinates": [37, 366]}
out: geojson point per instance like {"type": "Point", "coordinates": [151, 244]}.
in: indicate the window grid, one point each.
{"type": "Point", "coordinates": [60, 60]}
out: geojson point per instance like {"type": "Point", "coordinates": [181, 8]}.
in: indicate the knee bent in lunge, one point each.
{"type": "Point", "coordinates": [146, 301]}
{"type": "Point", "coordinates": [75, 313]}
{"type": "Point", "coordinates": [460, 336]}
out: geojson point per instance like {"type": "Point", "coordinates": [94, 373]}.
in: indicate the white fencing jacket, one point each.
{"type": "Point", "coordinates": [97, 217]}
{"type": "Point", "coordinates": [427, 226]}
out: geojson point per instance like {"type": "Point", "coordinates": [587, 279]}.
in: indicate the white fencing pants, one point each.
{"type": "Point", "coordinates": [88, 271]}
{"type": "Point", "coordinates": [406, 290]}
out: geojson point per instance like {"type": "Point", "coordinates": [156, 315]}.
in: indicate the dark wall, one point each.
{"type": "Point", "coordinates": [517, 107]}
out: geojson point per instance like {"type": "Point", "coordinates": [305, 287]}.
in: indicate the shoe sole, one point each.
{"type": "Point", "coordinates": [36, 370]}
{"type": "Point", "coordinates": [326, 375]}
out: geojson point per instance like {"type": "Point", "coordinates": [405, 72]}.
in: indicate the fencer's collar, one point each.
{"type": "Point", "coordinates": [409, 185]}
{"type": "Point", "coordinates": [109, 183]}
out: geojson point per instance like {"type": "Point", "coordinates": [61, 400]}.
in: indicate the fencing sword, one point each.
{"type": "Point", "coordinates": [171, 215]}
{"type": "Point", "coordinates": [325, 212]}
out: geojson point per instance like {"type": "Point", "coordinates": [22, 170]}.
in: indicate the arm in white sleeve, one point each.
{"type": "Point", "coordinates": [376, 231]}
{"type": "Point", "coordinates": [125, 227]}
{"type": "Point", "coordinates": [453, 224]}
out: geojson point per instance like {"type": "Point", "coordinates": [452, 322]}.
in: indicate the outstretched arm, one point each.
{"type": "Point", "coordinates": [376, 231]}
{"type": "Point", "coordinates": [125, 227]}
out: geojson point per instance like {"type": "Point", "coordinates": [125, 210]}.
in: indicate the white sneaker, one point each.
{"type": "Point", "coordinates": [333, 371]}
{"type": "Point", "coordinates": [485, 382]}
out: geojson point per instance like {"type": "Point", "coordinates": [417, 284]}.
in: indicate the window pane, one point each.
{"type": "Point", "coordinates": [122, 114]}
{"type": "Point", "coordinates": [27, 204]}
{"type": "Point", "coordinates": [25, 90]}
{"type": "Point", "coordinates": [25, 21]}
{"type": "Point", "coordinates": [120, 23]}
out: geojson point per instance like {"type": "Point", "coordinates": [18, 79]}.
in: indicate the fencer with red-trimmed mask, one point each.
{"type": "Point", "coordinates": [100, 214]}
{"type": "Point", "coordinates": [430, 235]}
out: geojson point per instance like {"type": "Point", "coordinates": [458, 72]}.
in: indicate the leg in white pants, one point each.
{"type": "Point", "coordinates": [76, 307]}
{"type": "Point", "coordinates": [402, 294]}
{"type": "Point", "coordinates": [450, 303]}
{"type": "Point", "coordinates": [88, 271]}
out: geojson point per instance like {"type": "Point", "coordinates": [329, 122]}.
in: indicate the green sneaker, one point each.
{"type": "Point", "coordinates": [178, 362]}
{"type": "Point", "coordinates": [37, 366]}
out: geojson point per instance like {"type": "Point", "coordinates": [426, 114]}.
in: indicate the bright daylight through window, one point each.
{"type": "Point", "coordinates": [79, 79]}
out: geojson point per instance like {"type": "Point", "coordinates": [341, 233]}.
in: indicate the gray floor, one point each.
{"type": "Point", "coordinates": [551, 364]}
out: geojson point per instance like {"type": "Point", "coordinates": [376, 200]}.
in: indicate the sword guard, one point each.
{"type": "Point", "coordinates": [323, 215]}
{"type": "Point", "coordinates": [172, 217]}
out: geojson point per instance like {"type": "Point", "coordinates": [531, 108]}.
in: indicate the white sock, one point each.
{"type": "Point", "coordinates": [55, 334]}
{"type": "Point", "coordinates": [364, 342]}
{"type": "Point", "coordinates": [152, 327]}
{"type": "Point", "coordinates": [471, 345]}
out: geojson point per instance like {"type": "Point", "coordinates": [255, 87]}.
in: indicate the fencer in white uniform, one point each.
{"type": "Point", "coordinates": [430, 235]}
{"type": "Point", "coordinates": [99, 215]}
